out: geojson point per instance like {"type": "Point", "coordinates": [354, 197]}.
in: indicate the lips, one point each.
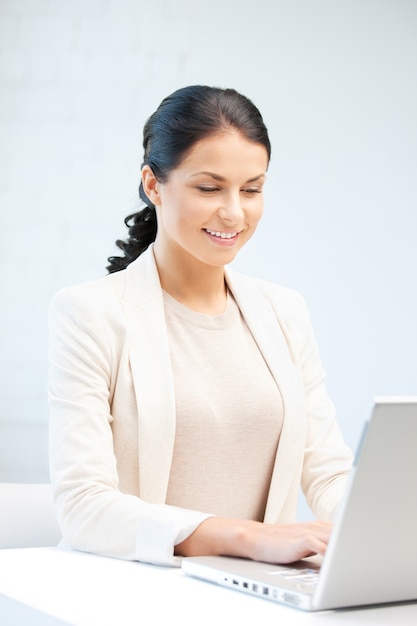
{"type": "Point", "coordinates": [220, 234]}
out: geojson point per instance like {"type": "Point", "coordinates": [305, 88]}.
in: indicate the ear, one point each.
{"type": "Point", "coordinates": [150, 185]}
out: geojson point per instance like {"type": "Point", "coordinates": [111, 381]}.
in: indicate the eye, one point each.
{"type": "Point", "coordinates": [252, 190]}
{"type": "Point", "coordinates": [207, 189]}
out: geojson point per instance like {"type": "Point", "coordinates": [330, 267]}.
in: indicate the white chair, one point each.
{"type": "Point", "coordinates": [27, 518]}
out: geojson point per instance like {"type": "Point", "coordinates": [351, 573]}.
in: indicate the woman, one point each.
{"type": "Point", "coordinates": [187, 401]}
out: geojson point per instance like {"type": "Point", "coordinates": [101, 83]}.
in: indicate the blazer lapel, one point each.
{"type": "Point", "coordinates": [152, 376]}
{"type": "Point", "coordinates": [154, 388]}
{"type": "Point", "coordinates": [268, 331]}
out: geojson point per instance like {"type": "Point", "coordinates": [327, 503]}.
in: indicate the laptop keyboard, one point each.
{"type": "Point", "coordinates": [305, 576]}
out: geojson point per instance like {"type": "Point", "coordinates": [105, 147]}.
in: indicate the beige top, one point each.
{"type": "Point", "coordinates": [229, 414]}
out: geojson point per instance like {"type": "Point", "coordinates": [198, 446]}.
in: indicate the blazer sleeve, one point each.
{"type": "Point", "coordinates": [85, 337]}
{"type": "Point", "coordinates": [327, 459]}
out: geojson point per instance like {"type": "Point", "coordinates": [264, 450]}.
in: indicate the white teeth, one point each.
{"type": "Point", "coordinates": [217, 233]}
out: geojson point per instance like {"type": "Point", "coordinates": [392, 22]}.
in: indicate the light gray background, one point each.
{"type": "Point", "coordinates": [336, 83]}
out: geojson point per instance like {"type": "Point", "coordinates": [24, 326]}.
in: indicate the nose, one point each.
{"type": "Point", "coordinates": [232, 209]}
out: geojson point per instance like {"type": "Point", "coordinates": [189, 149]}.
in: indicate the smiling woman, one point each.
{"type": "Point", "coordinates": [176, 129]}
{"type": "Point", "coordinates": [188, 402]}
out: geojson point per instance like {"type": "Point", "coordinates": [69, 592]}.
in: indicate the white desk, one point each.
{"type": "Point", "coordinates": [49, 586]}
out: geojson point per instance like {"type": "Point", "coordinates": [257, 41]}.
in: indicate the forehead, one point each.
{"type": "Point", "coordinates": [221, 150]}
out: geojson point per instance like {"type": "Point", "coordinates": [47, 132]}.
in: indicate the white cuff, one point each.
{"type": "Point", "coordinates": [159, 533]}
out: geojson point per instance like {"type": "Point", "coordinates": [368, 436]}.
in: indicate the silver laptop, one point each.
{"type": "Point", "coordinates": [372, 554]}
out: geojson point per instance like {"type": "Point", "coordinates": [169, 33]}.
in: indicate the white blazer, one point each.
{"type": "Point", "coordinates": [112, 412]}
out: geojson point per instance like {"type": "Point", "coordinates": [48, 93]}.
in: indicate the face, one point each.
{"type": "Point", "coordinates": [212, 202]}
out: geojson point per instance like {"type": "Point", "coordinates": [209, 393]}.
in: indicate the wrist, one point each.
{"type": "Point", "coordinates": [218, 536]}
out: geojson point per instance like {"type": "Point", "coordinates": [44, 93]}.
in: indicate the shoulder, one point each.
{"type": "Point", "coordinates": [94, 298]}
{"type": "Point", "coordinates": [136, 285]}
{"type": "Point", "coordinates": [286, 302]}
{"type": "Point", "coordinates": [104, 301]}
{"type": "Point", "coordinates": [268, 304]}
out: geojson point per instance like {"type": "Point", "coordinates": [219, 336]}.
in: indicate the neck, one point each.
{"type": "Point", "coordinates": [198, 286]}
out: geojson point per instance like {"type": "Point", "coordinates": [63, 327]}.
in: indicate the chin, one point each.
{"type": "Point", "coordinates": [221, 261]}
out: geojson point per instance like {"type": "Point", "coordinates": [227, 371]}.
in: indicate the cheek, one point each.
{"type": "Point", "coordinates": [194, 211]}
{"type": "Point", "coordinates": [172, 211]}
{"type": "Point", "coordinates": [257, 213]}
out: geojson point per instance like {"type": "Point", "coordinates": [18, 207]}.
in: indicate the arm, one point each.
{"type": "Point", "coordinates": [271, 543]}
{"type": "Point", "coordinates": [327, 459]}
{"type": "Point", "coordinates": [86, 339]}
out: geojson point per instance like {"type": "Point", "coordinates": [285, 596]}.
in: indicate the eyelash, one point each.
{"type": "Point", "coordinates": [214, 189]}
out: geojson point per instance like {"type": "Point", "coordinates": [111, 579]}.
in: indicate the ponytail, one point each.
{"type": "Point", "coordinates": [142, 227]}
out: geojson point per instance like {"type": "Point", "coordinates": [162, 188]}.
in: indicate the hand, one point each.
{"type": "Point", "coordinates": [286, 543]}
{"type": "Point", "coordinates": [271, 543]}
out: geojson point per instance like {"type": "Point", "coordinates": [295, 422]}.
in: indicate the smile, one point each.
{"type": "Point", "coordinates": [217, 233]}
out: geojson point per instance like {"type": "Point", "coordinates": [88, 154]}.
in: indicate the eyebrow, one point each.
{"type": "Point", "coordinates": [222, 179]}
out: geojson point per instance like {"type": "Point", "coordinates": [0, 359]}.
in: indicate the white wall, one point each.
{"type": "Point", "coordinates": [336, 82]}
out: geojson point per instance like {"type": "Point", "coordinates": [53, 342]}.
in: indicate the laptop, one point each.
{"type": "Point", "coordinates": [371, 557]}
